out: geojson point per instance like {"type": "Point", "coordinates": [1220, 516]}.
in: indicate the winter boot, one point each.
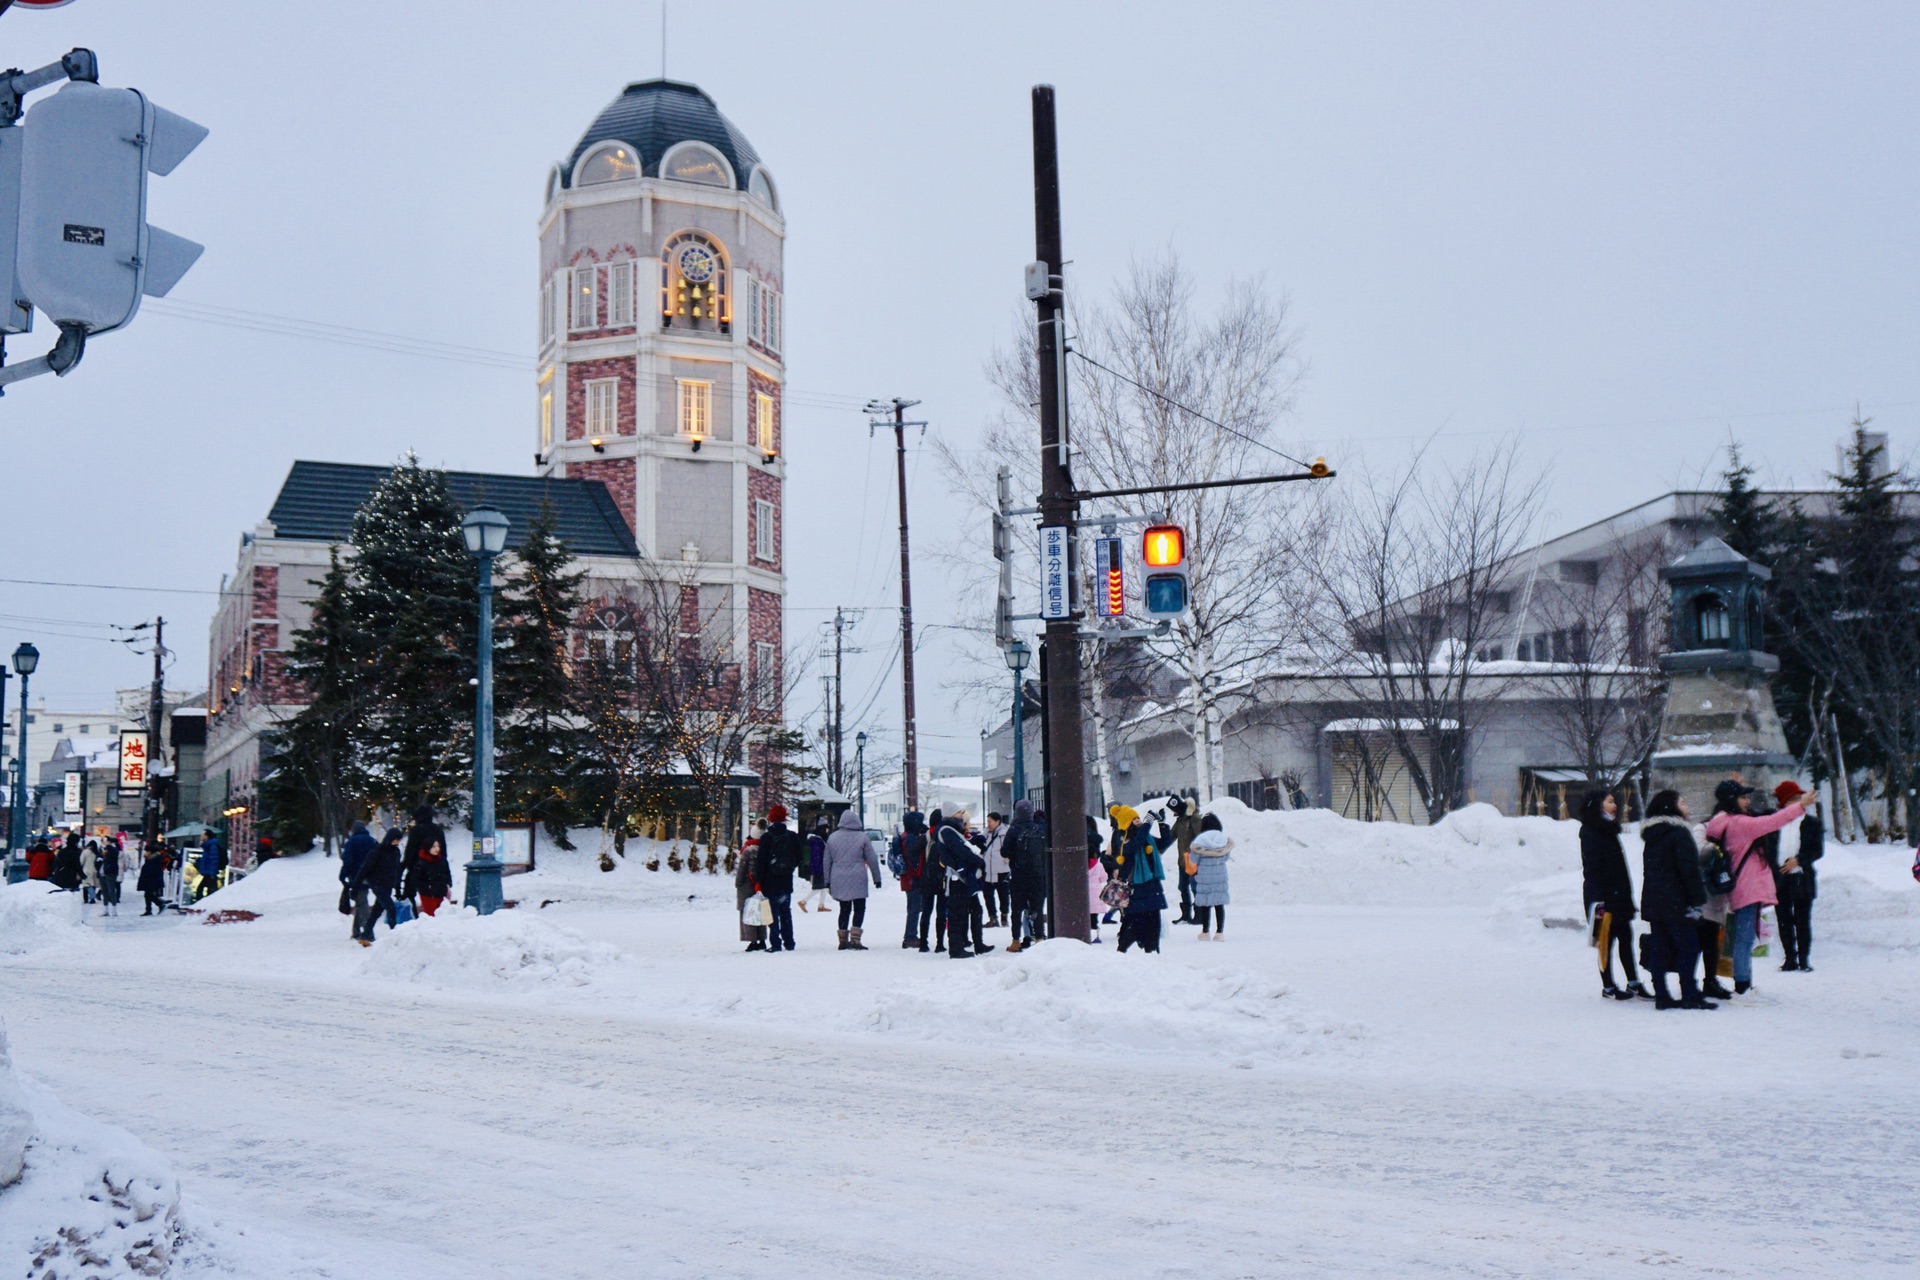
{"type": "Point", "coordinates": [1634, 989]}
{"type": "Point", "coordinates": [1711, 987]}
{"type": "Point", "coordinates": [843, 938]}
{"type": "Point", "coordinates": [1698, 1002]}
{"type": "Point", "coordinates": [1015, 947]}
{"type": "Point", "coordinates": [1664, 1001]}
{"type": "Point", "coordinates": [853, 940]}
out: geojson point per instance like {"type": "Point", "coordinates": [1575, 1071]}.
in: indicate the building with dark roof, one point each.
{"type": "Point", "coordinates": [657, 435]}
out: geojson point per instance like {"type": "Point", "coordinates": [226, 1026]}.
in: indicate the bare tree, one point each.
{"type": "Point", "coordinates": [1154, 382]}
{"type": "Point", "coordinates": [1603, 630]}
{"type": "Point", "coordinates": [1414, 584]}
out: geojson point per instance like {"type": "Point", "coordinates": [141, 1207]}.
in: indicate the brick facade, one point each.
{"type": "Point", "coordinates": [615, 473]}
{"type": "Point", "coordinates": [763, 486]}
{"type": "Point", "coordinates": [626, 405]}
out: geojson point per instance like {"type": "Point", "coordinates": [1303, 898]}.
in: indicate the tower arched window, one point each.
{"type": "Point", "coordinates": [693, 285]}
{"type": "Point", "coordinates": [614, 162]}
{"type": "Point", "coordinates": [1711, 621]}
{"type": "Point", "coordinates": [760, 187]}
{"type": "Point", "coordinates": [696, 162]}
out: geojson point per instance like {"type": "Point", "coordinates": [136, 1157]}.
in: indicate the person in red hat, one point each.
{"type": "Point", "coordinates": [1796, 886]}
{"type": "Point", "coordinates": [780, 855]}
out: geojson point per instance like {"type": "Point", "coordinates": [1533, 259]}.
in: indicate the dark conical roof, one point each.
{"type": "Point", "coordinates": [653, 115]}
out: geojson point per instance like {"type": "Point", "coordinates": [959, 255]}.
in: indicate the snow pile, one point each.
{"type": "Point", "coordinates": [508, 949]}
{"type": "Point", "coordinates": [35, 918]}
{"type": "Point", "coordinates": [295, 881]}
{"type": "Point", "coordinates": [1544, 910]}
{"type": "Point", "coordinates": [85, 1199]}
{"type": "Point", "coordinates": [1066, 995]}
{"type": "Point", "coordinates": [1317, 856]}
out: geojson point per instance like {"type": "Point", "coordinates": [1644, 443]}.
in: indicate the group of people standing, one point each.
{"type": "Point", "coordinates": [94, 867]}
{"type": "Point", "coordinates": [1701, 889]}
{"type": "Point", "coordinates": [403, 873]}
{"type": "Point", "coordinates": [960, 880]}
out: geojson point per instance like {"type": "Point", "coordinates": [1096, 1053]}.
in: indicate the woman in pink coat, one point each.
{"type": "Point", "coordinates": [1740, 831]}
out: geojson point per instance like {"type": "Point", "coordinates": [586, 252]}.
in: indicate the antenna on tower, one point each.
{"type": "Point", "coordinates": [663, 39]}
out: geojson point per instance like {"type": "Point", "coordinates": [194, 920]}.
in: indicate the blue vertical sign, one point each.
{"type": "Point", "coordinates": [1055, 598]}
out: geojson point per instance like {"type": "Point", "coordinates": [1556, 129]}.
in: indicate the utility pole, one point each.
{"type": "Point", "coordinates": [1059, 509]}
{"type": "Point", "coordinates": [839, 720]}
{"type": "Point", "coordinates": [910, 768]}
{"type": "Point", "coordinates": [156, 708]}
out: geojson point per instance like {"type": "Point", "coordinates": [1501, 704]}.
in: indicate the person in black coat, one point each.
{"type": "Point", "coordinates": [781, 853]}
{"type": "Point", "coordinates": [1026, 852]}
{"type": "Point", "coordinates": [153, 880]}
{"type": "Point", "coordinates": [963, 867]}
{"type": "Point", "coordinates": [1796, 885]}
{"type": "Point", "coordinates": [1671, 895]}
{"type": "Point", "coordinates": [421, 836]}
{"type": "Point", "coordinates": [373, 885]}
{"type": "Point", "coordinates": [67, 871]}
{"type": "Point", "coordinates": [1608, 892]}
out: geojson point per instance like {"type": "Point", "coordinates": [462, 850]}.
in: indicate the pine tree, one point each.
{"type": "Point", "coordinates": [414, 596]}
{"type": "Point", "coordinates": [1748, 521]}
{"type": "Point", "coordinates": [541, 738]}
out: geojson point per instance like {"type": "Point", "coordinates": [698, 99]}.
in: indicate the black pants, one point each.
{"type": "Point", "coordinates": [854, 909]}
{"type": "Point", "coordinates": [962, 908]}
{"type": "Point", "coordinates": [780, 932]}
{"type": "Point", "coordinates": [1707, 935]}
{"type": "Point", "coordinates": [1142, 927]}
{"type": "Point", "coordinates": [382, 905]}
{"type": "Point", "coordinates": [1029, 906]}
{"type": "Point", "coordinates": [1000, 899]}
{"type": "Point", "coordinates": [1219, 914]}
{"type": "Point", "coordinates": [1619, 938]}
{"type": "Point", "coordinates": [1676, 945]}
{"type": "Point", "coordinates": [154, 901]}
{"type": "Point", "coordinates": [1795, 915]}
{"type": "Point", "coordinates": [1186, 900]}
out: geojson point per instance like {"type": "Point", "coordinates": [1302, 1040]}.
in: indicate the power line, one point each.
{"type": "Point", "coordinates": [1162, 396]}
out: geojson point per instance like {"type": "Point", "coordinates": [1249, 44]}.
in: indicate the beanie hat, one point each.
{"type": "Point", "coordinates": [1728, 791]}
{"type": "Point", "coordinates": [777, 813]}
{"type": "Point", "coordinates": [1123, 817]}
{"type": "Point", "coordinates": [1787, 792]}
{"type": "Point", "coordinates": [1023, 811]}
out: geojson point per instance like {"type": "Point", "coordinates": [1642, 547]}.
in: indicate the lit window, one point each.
{"type": "Point", "coordinates": [609, 164]}
{"type": "Point", "coordinates": [1711, 611]}
{"type": "Point", "coordinates": [696, 409]}
{"type": "Point", "coordinates": [695, 163]}
{"type": "Point", "coordinates": [763, 422]}
{"type": "Point", "coordinates": [763, 529]}
{"type": "Point", "coordinates": [546, 423]}
{"type": "Point", "coordinates": [619, 295]}
{"type": "Point", "coordinates": [603, 401]}
{"type": "Point", "coordinates": [760, 187]}
{"type": "Point", "coordinates": [585, 312]}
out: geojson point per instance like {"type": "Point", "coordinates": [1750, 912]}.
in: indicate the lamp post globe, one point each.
{"type": "Point", "coordinates": [485, 531]}
{"type": "Point", "coordinates": [26, 659]}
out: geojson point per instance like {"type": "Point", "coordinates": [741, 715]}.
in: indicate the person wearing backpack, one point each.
{"type": "Point", "coordinates": [962, 867]}
{"type": "Point", "coordinates": [1607, 892]}
{"type": "Point", "coordinates": [917, 880]}
{"type": "Point", "coordinates": [1026, 850]}
{"type": "Point", "coordinates": [781, 853]}
{"type": "Point", "coordinates": [1671, 897]}
{"type": "Point", "coordinates": [1740, 833]}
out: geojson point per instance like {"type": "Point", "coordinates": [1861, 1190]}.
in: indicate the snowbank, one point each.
{"type": "Point", "coordinates": [34, 917]}
{"type": "Point", "coordinates": [1066, 995]}
{"type": "Point", "coordinates": [295, 880]}
{"type": "Point", "coordinates": [1316, 856]}
{"type": "Point", "coordinates": [509, 949]}
{"type": "Point", "coordinates": [86, 1199]}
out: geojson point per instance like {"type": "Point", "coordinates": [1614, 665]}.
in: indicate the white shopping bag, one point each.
{"type": "Point", "coordinates": [758, 913]}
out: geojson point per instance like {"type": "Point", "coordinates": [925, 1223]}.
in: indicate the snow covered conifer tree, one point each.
{"type": "Point", "coordinates": [541, 732]}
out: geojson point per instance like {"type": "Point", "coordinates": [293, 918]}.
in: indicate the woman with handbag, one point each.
{"type": "Point", "coordinates": [1608, 892]}
{"type": "Point", "coordinates": [1740, 833]}
{"type": "Point", "coordinates": [1137, 866]}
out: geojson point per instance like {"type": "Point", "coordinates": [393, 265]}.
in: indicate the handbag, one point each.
{"type": "Point", "coordinates": [1117, 894]}
{"type": "Point", "coordinates": [758, 913]}
{"type": "Point", "coordinates": [402, 912]}
{"type": "Point", "coordinates": [346, 901]}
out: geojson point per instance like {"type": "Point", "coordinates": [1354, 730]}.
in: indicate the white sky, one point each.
{"type": "Point", "coordinates": [1618, 230]}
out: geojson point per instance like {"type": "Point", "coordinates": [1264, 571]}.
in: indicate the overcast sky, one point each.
{"type": "Point", "coordinates": [1621, 231]}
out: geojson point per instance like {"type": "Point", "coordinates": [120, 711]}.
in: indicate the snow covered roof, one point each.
{"type": "Point", "coordinates": [1366, 724]}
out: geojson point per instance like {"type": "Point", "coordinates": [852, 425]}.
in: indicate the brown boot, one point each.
{"type": "Point", "coordinates": [843, 938]}
{"type": "Point", "coordinates": [853, 940]}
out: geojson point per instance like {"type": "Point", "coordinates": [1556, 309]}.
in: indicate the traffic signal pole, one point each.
{"type": "Point", "coordinates": [1066, 752]}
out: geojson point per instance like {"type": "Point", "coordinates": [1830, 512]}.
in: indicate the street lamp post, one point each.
{"type": "Point", "coordinates": [1017, 655]}
{"type": "Point", "coordinates": [860, 762]}
{"type": "Point", "coordinates": [25, 659]}
{"type": "Point", "coordinates": [486, 533]}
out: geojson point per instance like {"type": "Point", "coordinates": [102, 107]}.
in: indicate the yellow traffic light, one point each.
{"type": "Point", "coordinates": [1163, 546]}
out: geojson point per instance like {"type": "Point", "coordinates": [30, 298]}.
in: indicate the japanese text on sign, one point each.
{"type": "Point", "coordinates": [73, 794]}
{"type": "Point", "coordinates": [1055, 601]}
{"type": "Point", "coordinates": [133, 760]}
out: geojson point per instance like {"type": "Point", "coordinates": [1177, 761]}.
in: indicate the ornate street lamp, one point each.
{"type": "Point", "coordinates": [25, 659]}
{"type": "Point", "coordinates": [1017, 655]}
{"type": "Point", "coordinates": [486, 533]}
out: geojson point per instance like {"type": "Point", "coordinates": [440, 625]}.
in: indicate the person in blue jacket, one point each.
{"type": "Point", "coordinates": [360, 844]}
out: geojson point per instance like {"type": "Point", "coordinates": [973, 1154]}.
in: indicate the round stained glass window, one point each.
{"type": "Point", "coordinates": [697, 263]}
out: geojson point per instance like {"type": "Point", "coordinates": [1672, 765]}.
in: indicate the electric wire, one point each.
{"type": "Point", "coordinates": [1167, 399]}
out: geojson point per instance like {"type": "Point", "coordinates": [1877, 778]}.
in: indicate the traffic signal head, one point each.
{"type": "Point", "coordinates": [1163, 550]}
{"type": "Point", "coordinates": [86, 253]}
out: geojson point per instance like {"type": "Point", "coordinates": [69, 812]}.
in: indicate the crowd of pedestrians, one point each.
{"type": "Point", "coordinates": [96, 867]}
{"type": "Point", "coordinates": [1702, 890]}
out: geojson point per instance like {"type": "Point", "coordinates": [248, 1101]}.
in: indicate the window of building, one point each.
{"type": "Point", "coordinates": [696, 409]}
{"type": "Point", "coordinates": [1710, 613]}
{"type": "Point", "coordinates": [603, 407]}
{"type": "Point", "coordinates": [763, 314]}
{"type": "Point", "coordinates": [691, 162]}
{"type": "Point", "coordinates": [585, 311]}
{"type": "Point", "coordinates": [760, 187]}
{"type": "Point", "coordinates": [546, 423]}
{"type": "Point", "coordinates": [763, 528]}
{"type": "Point", "coordinates": [763, 423]}
{"type": "Point", "coordinates": [58, 728]}
{"type": "Point", "coordinates": [620, 291]}
{"type": "Point", "coordinates": [693, 285]}
{"type": "Point", "coordinates": [549, 310]}
{"type": "Point", "coordinates": [609, 164]}
{"type": "Point", "coordinates": [766, 675]}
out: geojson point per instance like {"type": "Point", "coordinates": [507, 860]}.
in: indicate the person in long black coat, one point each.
{"type": "Point", "coordinates": [376, 879]}
{"type": "Point", "coordinates": [1608, 892]}
{"type": "Point", "coordinates": [1672, 892]}
{"type": "Point", "coordinates": [153, 880]}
